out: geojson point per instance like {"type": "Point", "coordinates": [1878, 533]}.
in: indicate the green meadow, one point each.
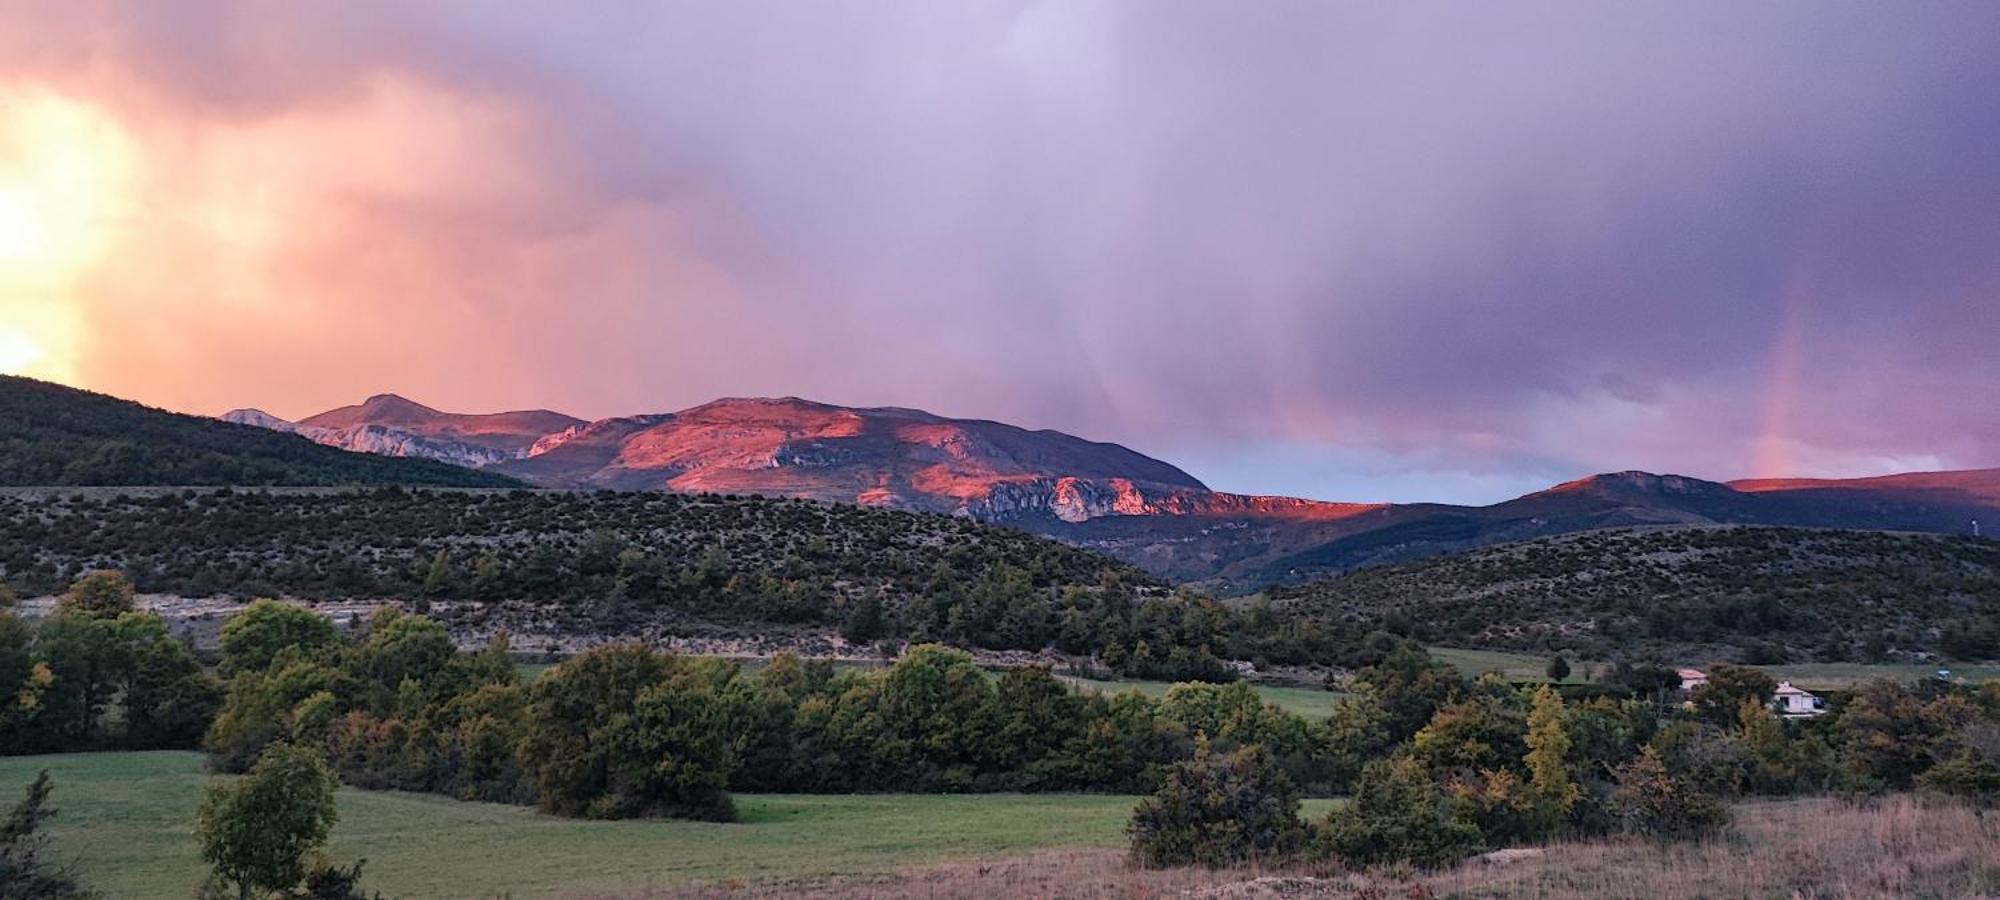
{"type": "Point", "coordinates": [126, 820]}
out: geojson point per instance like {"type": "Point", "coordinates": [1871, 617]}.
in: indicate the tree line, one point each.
{"type": "Point", "coordinates": [1439, 767]}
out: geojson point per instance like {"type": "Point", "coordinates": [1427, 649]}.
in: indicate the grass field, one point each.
{"type": "Point", "coordinates": [1840, 675]}
{"type": "Point", "coordinates": [1305, 701]}
{"type": "Point", "coordinates": [1522, 667]}
{"type": "Point", "coordinates": [1514, 666]}
{"type": "Point", "coordinates": [1890, 847]}
{"type": "Point", "coordinates": [126, 819]}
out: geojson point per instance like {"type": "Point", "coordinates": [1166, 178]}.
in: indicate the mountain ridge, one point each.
{"type": "Point", "coordinates": [1097, 494]}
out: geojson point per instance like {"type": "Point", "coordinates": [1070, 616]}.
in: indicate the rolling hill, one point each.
{"type": "Point", "coordinates": [1752, 594]}
{"type": "Point", "coordinates": [51, 435]}
{"type": "Point", "coordinates": [589, 566]}
{"type": "Point", "coordinates": [1240, 554]}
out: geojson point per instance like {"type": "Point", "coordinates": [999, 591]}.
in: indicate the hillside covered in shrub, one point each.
{"type": "Point", "coordinates": [51, 435]}
{"type": "Point", "coordinates": [1759, 595]}
{"type": "Point", "coordinates": [616, 562]}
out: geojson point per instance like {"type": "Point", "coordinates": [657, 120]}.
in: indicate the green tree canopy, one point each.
{"type": "Point", "coordinates": [262, 832]}
{"type": "Point", "coordinates": [253, 637]}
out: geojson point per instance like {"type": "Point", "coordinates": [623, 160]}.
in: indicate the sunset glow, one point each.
{"type": "Point", "coordinates": [1419, 282]}
{"type": "Point", "coordinates": [66, 180]}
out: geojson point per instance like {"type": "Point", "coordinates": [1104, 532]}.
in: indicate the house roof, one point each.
{"type": "Point", "coordinates": [1691, 674]}
{"type": "Point", "coordinates": [1785, 687]}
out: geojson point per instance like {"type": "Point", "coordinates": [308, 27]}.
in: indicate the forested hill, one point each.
{"type": "Point", "coordinates": [597, 564]}
{"type": "Point", "coordinates": [1751, 594]}
{"type": "Point", "coordinates": [60, 436]}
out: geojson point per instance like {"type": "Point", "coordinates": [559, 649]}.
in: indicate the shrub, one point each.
{"type": "Point", "coordinates": [1650, 802]}
{"type": "Point", "coordinates": [1217, 810]}
{"type": "Point", "coordinates": [1398, 814]}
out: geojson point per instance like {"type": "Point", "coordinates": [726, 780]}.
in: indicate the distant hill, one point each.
{"type": "Point", "coordinates": [1236, 554]}
{"type": "Point", "coordinates": [390, 425]}
{"type": "Point", "coordinates": [60, 436]}
{"type": "Point", "coordinates": [1753, 594]}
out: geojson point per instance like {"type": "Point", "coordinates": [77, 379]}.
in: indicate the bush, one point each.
{"type": "Point", "coordinates": [1650, 802]}
{"type": "Point", "coordinates": [1218, 810]}
{"type": "Point", "coordinates": [1398, 814]}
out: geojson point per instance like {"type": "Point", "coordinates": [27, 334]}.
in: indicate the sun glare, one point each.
{"type": "Point", "coordinates": [17, 352]}
{"type": "Point", "coordinates": [66, 171]}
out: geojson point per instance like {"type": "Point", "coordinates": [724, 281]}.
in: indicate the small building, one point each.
{"type": "Point", "coordinates": [1691, 679]}
{"type": "Point", "coordinates": [1793, 703]}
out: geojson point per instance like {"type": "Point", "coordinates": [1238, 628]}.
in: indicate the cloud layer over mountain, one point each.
{"type": "Point", "coordinates": [1359, 251]}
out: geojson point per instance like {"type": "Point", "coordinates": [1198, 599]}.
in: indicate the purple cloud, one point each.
{"type": "Point", "coordinates": [1451, 246]}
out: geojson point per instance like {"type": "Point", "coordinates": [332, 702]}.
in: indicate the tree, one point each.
{"type": "Point", "coordinates": [624, 731]}
{"type": "Point", "coordinates": [1558, 668]}
{"type": "Point", "coordinates": [17, 666]}
{"type": "Point", "coordinates": [102, 594]}
{"type": "Point", "coordinates": [1728, 686]}
{"type": "Point", "coordinates": [1397, 814]}
{"type": "Point", "coordinates": [1470, 735]}
{"type": "Point", "coordinates": [1410, 686]}
{"type": "Point", "coordinates": [864, 622]}
{"type": "Point", "coordinates": [404, 647]}
{"type": "Point", "coordinates": [88, 657]}
{"type": "Point", "coordinates": [1553, 788]}
{"type": "Point", "coordinates": [437, 575]}
{"type": "Point", "coordinates": [263, 832]}
{"type": "Point", "coordinates": [1764, 736]}
{"type": "Point", "coordinates": [1218, 810]}
{"type": "Point", "coordinates": [169, 697]}
{"type": "Point", "coordinates": [1650, 802]}
{"type": "Point", "coordinates": [24, 872]}
{"type": "Point", "coordinates": [253, 637]}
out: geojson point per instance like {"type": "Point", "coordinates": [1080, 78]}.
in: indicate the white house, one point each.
{"type": "Point", "coordinates": [1691, 679]}
{"type": "Point", "coordinates": [1793, 703]}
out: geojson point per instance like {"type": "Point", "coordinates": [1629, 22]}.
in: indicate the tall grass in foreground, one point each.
{"type": "Point", "coordinates": [1899, 846]}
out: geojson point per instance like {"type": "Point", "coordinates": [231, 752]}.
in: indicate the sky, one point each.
{"type": "Point", "coordinates": [1351, 251]}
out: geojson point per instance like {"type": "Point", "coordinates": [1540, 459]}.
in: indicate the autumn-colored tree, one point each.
{"type": "Point", "coordinates": [102, 594]}
{"type": "Point", "coordinates": [1555, 790]}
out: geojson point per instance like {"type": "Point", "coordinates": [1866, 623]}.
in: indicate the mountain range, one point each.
{"type": "Point", "coordinates": [1097, 495]}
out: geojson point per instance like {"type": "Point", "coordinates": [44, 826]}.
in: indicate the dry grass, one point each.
{"type": "Point", "coordinates": [1901, 846]}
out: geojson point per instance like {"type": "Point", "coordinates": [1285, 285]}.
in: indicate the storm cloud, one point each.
{"type": "Point", "coordinates": [1353, 251]}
